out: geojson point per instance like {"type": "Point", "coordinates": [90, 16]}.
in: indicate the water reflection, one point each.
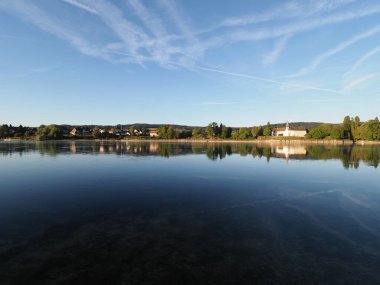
{"type": "Point", "coordinates": [200, 213]}
{"type": "Point", "coordinates": [289, 151]}
{"type": "Point", "coordinates": [350, 156]}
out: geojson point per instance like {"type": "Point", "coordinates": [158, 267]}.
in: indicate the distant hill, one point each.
{"type": "Point", "coordinates": [307, 125]}
{"type": "Point", "coordinates": [126, 126]}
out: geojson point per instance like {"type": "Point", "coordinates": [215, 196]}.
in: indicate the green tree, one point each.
{"type": "Point", "coordinates": [51, 132]}
{"type": "Point", "coordinates": [370, 130]}
{"type": "Point", "coordinates": [212, 130]}
{"type": "Point", "coordinates": [337, 134]}
{"type": "Point", "coordinates": [166, 132]}
{"type": "Point", "coordinates": [131, 130]}
{"type": "Point", "coordinates": [346, 126]}
{"type": "Point", "coordinates": [163, 132]}
{"type": "Point", "coordinates": [243, 133]}
{"type": "Point", "coordinates": [326, 128]}
{"type": "Point", "coordinates": [96, 133]}
{"type": "Point", "coordinates": [317, 133]}
{"type": "Point", "coordinates": [4, 131]}
{"type": "Point", "coordinates": [355, 128]}
{"type": "Point", "coordinates": [256, 132]}
{"type": "Point", "coordinates": [235, 134]}
{"type": "Point", "coordinates": [198, 133]}
{"type": "Point", "coordinates": [268, 130]}
{"type": "Point", "coordinates": [170, 133]}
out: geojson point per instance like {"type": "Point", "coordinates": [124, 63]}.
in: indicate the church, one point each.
{"type": "Point", "coordinates": [289, 131]}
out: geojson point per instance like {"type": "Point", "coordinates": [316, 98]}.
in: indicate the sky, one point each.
{"type": "Point", "coordinates": [242, 63]}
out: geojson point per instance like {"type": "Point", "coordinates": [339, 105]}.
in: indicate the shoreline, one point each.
{"type": "Point", "coordinates": [253, 141]}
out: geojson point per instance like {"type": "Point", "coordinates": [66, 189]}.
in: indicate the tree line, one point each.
{"type": "Point", "coordinates": [351, 128]}
{"type": "Point", "coordinates": [9, 131]}
{"type": "Point", "coordinates": [215, 131]}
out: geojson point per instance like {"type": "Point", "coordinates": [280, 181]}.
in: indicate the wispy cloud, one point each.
{"type": "Point", "coordinates": [326, 100]}
{"type": "Point", "coordinates": [81, 6]}
{"type": "Point", "coordinates": [340, 47]}
{"type": "Point", "coordinates": [359, 81]}
{"type": "Point", "coordinates": [147, 39]}
{"type": "Point", "coordinates": [267, 80]}
{"type": "Point", "coordinates": [39, 18]}
{"type": "Point", "coordinates": [6, 36]}
{"type": "Point", "coordinates": [279, 46]}
{"type": "Point", "coordinates": [288, 10]}
{"type": "Point", "coordinates": [362, 59]}
{"type": "Point", "coordinates": [298, 26]}
{"type": "Point", "coordinates": [44, 69]}
{"type": "Point", "coordinates": [219, 103]}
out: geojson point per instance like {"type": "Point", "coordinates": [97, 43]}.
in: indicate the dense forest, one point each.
{"type": "Point", "coordinates": [351, 128]}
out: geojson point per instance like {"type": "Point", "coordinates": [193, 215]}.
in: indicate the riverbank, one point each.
{"type": "Point", "coordinates": [256, 141]}
{"type": "Point", "coordinates": [281, 141]}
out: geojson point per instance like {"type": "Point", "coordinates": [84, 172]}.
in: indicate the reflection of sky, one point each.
{"type": "Point", "coordinates": [303, 208]}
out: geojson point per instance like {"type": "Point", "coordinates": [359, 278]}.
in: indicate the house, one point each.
{"type": "Point", "coordinates": [153, 133]}
{"type": "Point", "coordinates": [289, 131]}
{"type": "Point", "coordinates": [80, 131]}
{"type": "Point", "coordinates": [74, 132]}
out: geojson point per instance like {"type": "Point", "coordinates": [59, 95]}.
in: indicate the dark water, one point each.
{"type": "Point", "coordinates": [159, 213]}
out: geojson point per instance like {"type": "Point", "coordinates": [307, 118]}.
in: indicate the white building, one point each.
{"type": "Point", "coordinates": [153, 133]}
{"type": "Point", "coordinates": [289, 131]}
{"type": "Point", "coordinates": [73, 132]}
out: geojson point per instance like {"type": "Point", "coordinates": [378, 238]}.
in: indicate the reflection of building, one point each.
{"type": "Point", "coordinates": [153, 147]}
{"type": "Point", "coordinates": [289, 131]}
{"type": "Point", "coordinates": [289, 151]}
{"type": "Point", "coordinates": [73, 147]}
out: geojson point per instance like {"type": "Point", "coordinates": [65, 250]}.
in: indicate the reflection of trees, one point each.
{"type": "Point", "coordinates": [243, 149]}
{"type": "Point", "coordinates": [350, 156]}
{"type": "Point", "coordinates": [166, 149]}
{"type": "Point", "coordinates": [267, 152]}
{"type": "Point", "coordinates": [215, 151]}
{"type": "Point", "coordinates": [47, 148]}
{"type": "Point", "coordinates": [370, 155]}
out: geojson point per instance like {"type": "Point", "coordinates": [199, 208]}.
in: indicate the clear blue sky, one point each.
{"type": "Point", "coordinates": [242, 63]}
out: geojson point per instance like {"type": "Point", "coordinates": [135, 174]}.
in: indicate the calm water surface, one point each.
{"type": "Point", "coordinates": [161, 213]}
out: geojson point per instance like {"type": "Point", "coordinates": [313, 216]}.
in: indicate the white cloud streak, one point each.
{"type": "Point", "coordinates": [42, 20]}
{"type": "Point", "coordinates": [279, 46]}
{"type": "Point", "coordinates": [291, 9]}
{"type": "Point", "coordinates": [362, 59]}
{"type": "Point", "coordinates": [359, 81]}
{"type": "Point", "coordinates": [217, 103]}
{"type": "Point", "coordinates": [81, 6]}
{"type": "Point", "coordinates": [298, 27]}
{"type": "Point", "coordinates": [267, 80]}
{"type": "Point", "coordinates": [148, 41]}
{"type": "Point", "coordinates": [342, 46]}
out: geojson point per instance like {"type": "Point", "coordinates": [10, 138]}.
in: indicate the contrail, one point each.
{"type": "Point", "coordinates": [268, 80]}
